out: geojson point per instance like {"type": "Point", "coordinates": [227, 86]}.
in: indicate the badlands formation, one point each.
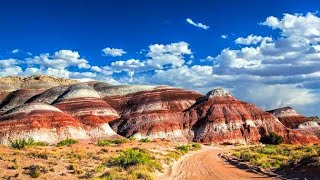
{"type": "Point", "coordinates": [52, 109]}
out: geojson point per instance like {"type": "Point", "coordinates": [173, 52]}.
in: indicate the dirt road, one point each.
{"type": "Point", "coordinates": [206, 165]}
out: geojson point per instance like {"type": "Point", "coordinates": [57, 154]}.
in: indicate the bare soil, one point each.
{"type": "Point", "coordinates": [204, 165]}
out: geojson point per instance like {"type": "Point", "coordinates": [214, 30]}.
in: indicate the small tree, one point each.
{"type": "Point", "coordinates": [271, 138]}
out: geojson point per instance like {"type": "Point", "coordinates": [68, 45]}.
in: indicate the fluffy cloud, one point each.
{"type": "Point", "coordinates": [252, 39]}
{"type": "Point", "coordinates": [306, 27]}
{"type": "Point", "coordinates": [8, 62]}
{"type": "Point", "coordinates": [199, 25]}
{"type": "Point", "coordinates": [114, 52]}
{"type": "Point", "coordinates": [127, 65]}
{"type": "Point", "coordinates": [9, 67]}
{"type": "Point", "coordinates": [158, 56]}
{"type": "Point", "coordinates": [60, 60]}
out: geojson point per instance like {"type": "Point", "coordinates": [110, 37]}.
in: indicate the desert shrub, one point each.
{"type": "Point", "coordinates": [107, 142]}
{"type": "Point", "coordinates": [75, 168]}
{"type": "Point", "coordinates": [271, 138]}
{"type": "Point", "coordinates": [99, 168]}
{"type": "Point", "coordinates": [24, 143]}
{"type": "Point", "coordinates": [173, 155]}
{"type": "Point", "coordinates": [269, 149]}
{"type": "Point", "coordinates": [34, 171]}
{"type": "Point", "coordinates": [104, 142]}
{"type": "Point", "coordinates": [245, 155]}
{"type": "Point", "coordinates": [144, 140]}
{"type": "Point", "coordinates": [183, 148]}
{"type": "Point", "coordinates": [133, 157]}
{"type": "Point", "coordinates": [119, 141]}
{"type": "Point", "coordinates": [66, 142]}
{"type": "Point", "coordinates": [42, 155]}
{"type": "Point", "coordinates": [135, 172]}
{"type": "Point", "coordinates": [195, 146]}
{"type": "Point", "coordinates": [132, 138]}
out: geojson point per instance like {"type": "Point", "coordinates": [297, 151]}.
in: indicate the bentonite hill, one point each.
{"type": "Point", "coordinates": [52, 109]}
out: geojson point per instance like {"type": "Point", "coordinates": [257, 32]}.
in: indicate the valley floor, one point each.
{"type": "Point", "coordinates": [206, 164]}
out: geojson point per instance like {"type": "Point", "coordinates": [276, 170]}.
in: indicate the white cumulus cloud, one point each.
{"type": "Point", "coordinates": [252, 39]}
{"type": "Point", "coordinates": [114, 52]}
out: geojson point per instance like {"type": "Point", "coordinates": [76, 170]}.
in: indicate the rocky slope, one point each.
{"type": "Point", "coordinates": [291, 119]}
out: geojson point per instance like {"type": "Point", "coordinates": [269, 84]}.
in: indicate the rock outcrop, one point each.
{"type": "Point", "coordinates": [291, 119]}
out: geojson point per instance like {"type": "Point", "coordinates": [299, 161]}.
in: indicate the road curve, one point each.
{"type": "Point", "coordinates": [206, 165]}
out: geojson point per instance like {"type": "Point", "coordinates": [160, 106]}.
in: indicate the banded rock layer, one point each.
{"type": "Point", "coordinates": [87, 110]}
{"type": "Point", "coordinates": [219, 117]}
{"type": "Point", "coordinates": [156, 113]}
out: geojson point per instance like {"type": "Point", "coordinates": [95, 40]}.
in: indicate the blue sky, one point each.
{"type": "Point", "coordinates": [265, 52]}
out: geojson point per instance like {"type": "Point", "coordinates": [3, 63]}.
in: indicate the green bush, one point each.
{"type": "Point", "coordinates": [183, 148]}
{"type": "Point", "coordinates": [119, 141]}
{"type": "Point", "coordinates": [196, 146]}
{"type": "Point", "coordinates": [66, 142]}
{"type": "Point", "coordinates": [107, 142]}
{"type": "Point", "coordinates": [24, 143]}
{"type": "Point", "coordinates": [132, 138]}
{"type": "Point", "coordinates": [269, 149]}
{"type": "Point", "coordinates": [134, 157]}
{"type": "Point", "coordinates": [144, 140]}
{"type": "Point", "coordinates": [272, 138]}
{"type": "Point", "coordinates": [104, 142]}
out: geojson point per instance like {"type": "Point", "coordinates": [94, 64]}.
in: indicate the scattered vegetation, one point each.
{"type": "Point", "coordinates": [145, 140]}
{"type": "Point", "coordinates": [75, 168]}
{"type": "Point", "coordinates": [24, 143]}
{"type": "Point", "coordinates": [66, 142]}
{"type": "Point", "coordinates": [104, 142]}
{"type": "Point", "coordinates": [278, 156]}
{"type": "Point", "coordinates": [134, 157]}
{"type": "Point", "coordinates": [42, 155]}
{"type": "Point", "coordinates": [132, 163]}
{"type": "Point", "coordinates": [34, 171]}
{"type": "Point", "coordinates": [271, 138]}
{"type": "Point", "coordinates": [132, 138]}
{"type": "Point", "coordinates": [190, 147]}
{"type": "Point", "coordinates": [107, 142]}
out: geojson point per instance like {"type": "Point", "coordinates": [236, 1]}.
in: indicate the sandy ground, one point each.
{"type": "Point", "coordinates": [204, 165]}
